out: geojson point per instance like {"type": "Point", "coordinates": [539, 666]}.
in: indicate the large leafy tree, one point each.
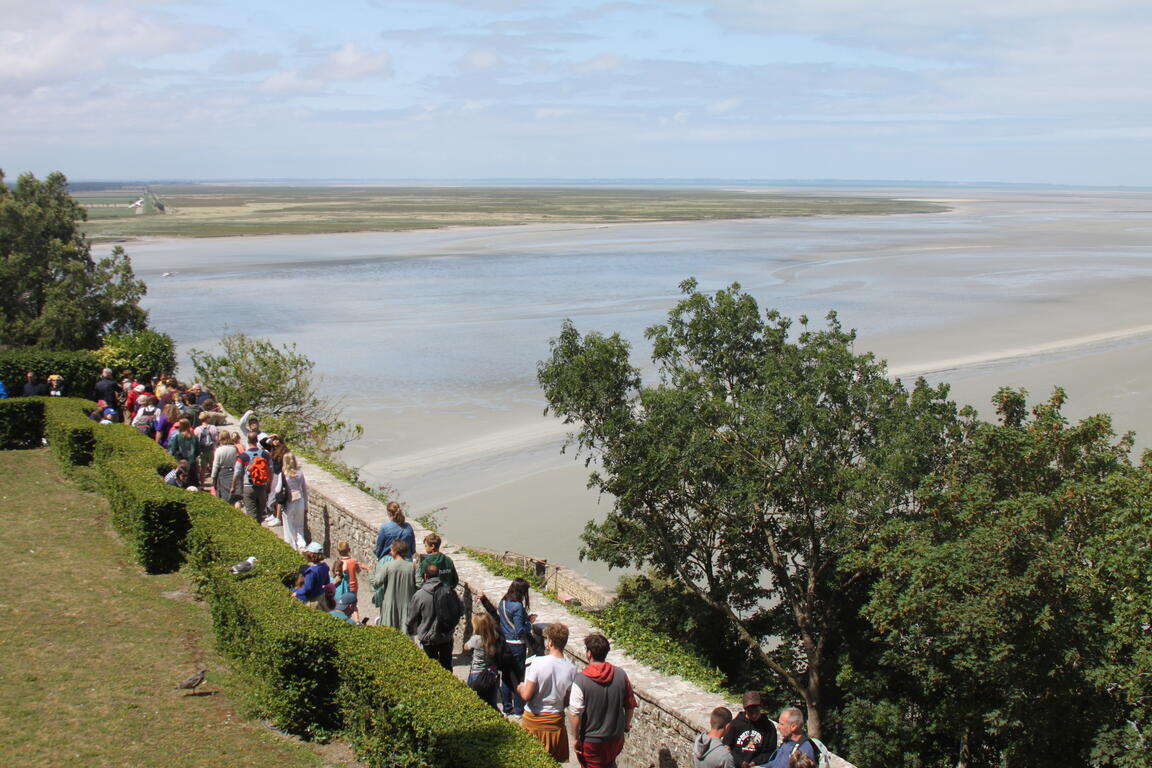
{"type": "Point", "coordinates": [750, 468]}
{"type": "Point", "coordinates": [279, 383]}
{"type": "Point", "coordinates": [53, 293]}
{"type": "Point", "coordinates": [1016, 594]}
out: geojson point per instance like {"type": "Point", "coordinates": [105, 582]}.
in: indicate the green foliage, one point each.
{"type": "Point", "coordinates": [671, 628]}
{"type": "Point", "coordinates": [80, 369]}
{"type": "Point", "coordinates": [21, 422]}
{"type": "Point", "coordinates": [1123, 556]}
{"type": "Point", "coordinates": [277, 383]}
{"type": "Point", "coordinates": [310, 673]}
{"type": "Point", "coordinates": [1007, 594]}
{"type": "Point", "coordinates": [658, 648]}
{"type": "Point", "coordinates": [53, 293]}
{"type": "Point", "coordinates": [749, 470]}
{"type": "Point", "coordinates": [433, 718]}
{"type": "Point", "coordinates": [145, 352]}
{"type": "Point", "coordinates": [70, 433]}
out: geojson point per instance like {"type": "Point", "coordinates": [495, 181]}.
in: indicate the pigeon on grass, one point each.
{"type": "Point", "coordinates": [244, 566]}
{"type": "Point", "coordinates": [192, 681]}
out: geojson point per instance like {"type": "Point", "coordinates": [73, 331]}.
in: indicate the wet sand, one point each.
{"type": "Point", "coordinates": [432, 338]}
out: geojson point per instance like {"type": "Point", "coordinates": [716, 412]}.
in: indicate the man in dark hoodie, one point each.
{"type": "Point", "coordinates": [424, 621]}
{"type": "Point", "coordinates": [709, 750]}
{"type": "Point", "coordinates": [601, 707]}
{"type": "Point", "coordinates": [751, 737]}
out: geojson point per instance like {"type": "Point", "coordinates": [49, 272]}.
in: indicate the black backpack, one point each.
{"type": "Point", "coordinates": [448, 609]}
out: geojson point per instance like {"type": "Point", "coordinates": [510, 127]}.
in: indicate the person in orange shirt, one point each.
{"type": "Point", "coordinates": [347, 573]}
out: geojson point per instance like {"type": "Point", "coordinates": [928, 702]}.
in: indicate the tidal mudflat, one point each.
{"type": "Point", "coordinates": [432, 337]}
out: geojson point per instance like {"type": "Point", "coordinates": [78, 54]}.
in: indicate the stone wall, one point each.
{"type": "Point", "coordinates": [569, 586]}
{"type": "Point", "coordinates": [671, 711]}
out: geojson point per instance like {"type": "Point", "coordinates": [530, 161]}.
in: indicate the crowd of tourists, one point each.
{"type": "Point", "coordinates": [517, 666]}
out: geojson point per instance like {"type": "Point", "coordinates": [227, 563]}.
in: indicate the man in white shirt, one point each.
{"type": "Point", "coordinates": [547, 683]}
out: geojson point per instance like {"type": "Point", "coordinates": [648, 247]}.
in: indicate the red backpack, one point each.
{"type": "Point", "coordinates": [258, 470]}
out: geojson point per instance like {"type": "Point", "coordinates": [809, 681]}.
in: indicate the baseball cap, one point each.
{"type": "Point", "coordinates": [315, 548]}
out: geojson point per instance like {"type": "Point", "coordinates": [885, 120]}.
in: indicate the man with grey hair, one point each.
{"type": "Point", "coordinates": [792, 737]}
{"type": "Point", "coordinates": [106, 389]}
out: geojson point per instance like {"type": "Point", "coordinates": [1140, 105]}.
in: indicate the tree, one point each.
{"type": "Point", "coordinates": [53, 293]}
{"type": "Point", "coordinates": [277, 383]}
{"type": "Point", "coordinates": [998, 592]}
{"type": "Point", "coordinates": [750, 469]}
{"type": "Point", "coordinates": [146, 353]}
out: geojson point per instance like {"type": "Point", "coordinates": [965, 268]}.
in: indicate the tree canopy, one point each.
{"type": "Point", "coordinates": [751, 468]}
{"type": "Point", "coordinates": [53, 293]}
{"type": "Point", "coordinates": [1016, 595]}
{"type": "Point", "coordinates": [278, 383]}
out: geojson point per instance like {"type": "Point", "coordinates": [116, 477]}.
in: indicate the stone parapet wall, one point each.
{"type": "Point", "coordinates": [570, 587]}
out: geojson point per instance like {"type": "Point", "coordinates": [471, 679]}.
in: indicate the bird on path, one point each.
{"type": "Point", "coordinates": [244, 566]}
{"type": "Point", "coordinates": [192, 681]}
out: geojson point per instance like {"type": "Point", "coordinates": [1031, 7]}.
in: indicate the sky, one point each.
{"type": "Point", "coordinates": [967, 91]}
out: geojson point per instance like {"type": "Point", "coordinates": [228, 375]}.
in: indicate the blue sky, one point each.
{"type": "Point", "coordinates": [1047, 91]}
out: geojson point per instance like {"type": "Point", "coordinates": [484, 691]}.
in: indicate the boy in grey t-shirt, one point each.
{"type": "Point", "coordinates": [547, 683]}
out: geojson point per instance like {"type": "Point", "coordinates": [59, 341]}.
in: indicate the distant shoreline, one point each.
{"type": "Point", "coordinates": [207, 211]}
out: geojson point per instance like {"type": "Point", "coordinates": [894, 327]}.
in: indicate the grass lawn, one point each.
{"type": "Point", "coordinates": [92, 648]}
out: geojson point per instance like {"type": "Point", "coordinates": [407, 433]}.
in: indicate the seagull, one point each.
{"type": "Point", "coordinates": [190, 682]}
{"type": "Point", "coordinates": [244, 565]}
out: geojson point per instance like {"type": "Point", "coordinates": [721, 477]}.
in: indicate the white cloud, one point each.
{"type": "Point", "coordinates": [479, 59]}
{"type": "Point", "coordinates": [553, 113]}
{"type": "Point", "coordinates": [49, 42]}
{"type": "Point", "coordinates": [351, 62]}
{"type": "Point", "coordinates": [348, 62]}
{"type": "Point", "coordinates": [723, 106]}
{"type": "Point", "coordinates": [291, 81]}
{"type": "Point", "coordinates": [607, 62]}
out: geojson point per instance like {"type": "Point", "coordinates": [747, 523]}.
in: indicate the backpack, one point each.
{"type": "Point", "coordinates": [258, 471]}
{"type": "Point", "coordinates": [145, 416]}
{"type": "Point", "coordinates": [448, 609]}
{"type": "Point", "coordinates": [206, 437]}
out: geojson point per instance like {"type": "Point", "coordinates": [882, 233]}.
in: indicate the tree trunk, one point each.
{"type": "Point", "coordinates": [814, 703]}
{"type": "Point", "coordinates": [965, 750]}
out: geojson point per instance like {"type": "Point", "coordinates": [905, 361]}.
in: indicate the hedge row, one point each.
{"type": "Point", "coordinates": [311, 674]}
{"type": "Point", "coordinates": [79, 369]}
{"type": "Point", "coordinates": [21, 423]}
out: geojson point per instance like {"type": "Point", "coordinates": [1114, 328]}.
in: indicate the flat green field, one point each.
{"type": "Point", "coordinates": [93, 648]}
{"type": "Point", "coordinates": [194, 210]}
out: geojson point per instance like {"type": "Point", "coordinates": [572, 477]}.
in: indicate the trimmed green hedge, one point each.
{"type": "Point", "coordinates": [71, 434]}
{"type": "Point", "coordinates": [411, 705]}
{"type": "Point", "coordinates": [310, 673]}
{"type": "Point", "coordinates": [21, 422]}
{"type": "Point", "coordinates": [79, 369]}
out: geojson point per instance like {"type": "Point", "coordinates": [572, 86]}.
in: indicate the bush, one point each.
{"type": "Point", "coordinates": [70, 433]}
{"type": "Point", "coordinates": [388, 684]}
{"type": "Point", "coordinates": [21, 422]}
{"type": "Point", "coordinates": [146, 353]}
{"type": "Point", "coordinates": [79, 369]}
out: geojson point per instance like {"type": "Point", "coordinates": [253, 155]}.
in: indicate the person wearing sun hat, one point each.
{"type": "Point", "coordinates": [345, 606]}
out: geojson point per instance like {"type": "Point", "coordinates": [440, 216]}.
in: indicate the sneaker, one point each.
{"type": "Point", "coordinates": [271, 522]}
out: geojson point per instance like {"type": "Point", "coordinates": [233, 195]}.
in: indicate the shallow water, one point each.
{"type": "Point", "coordinates": [432, 338]}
